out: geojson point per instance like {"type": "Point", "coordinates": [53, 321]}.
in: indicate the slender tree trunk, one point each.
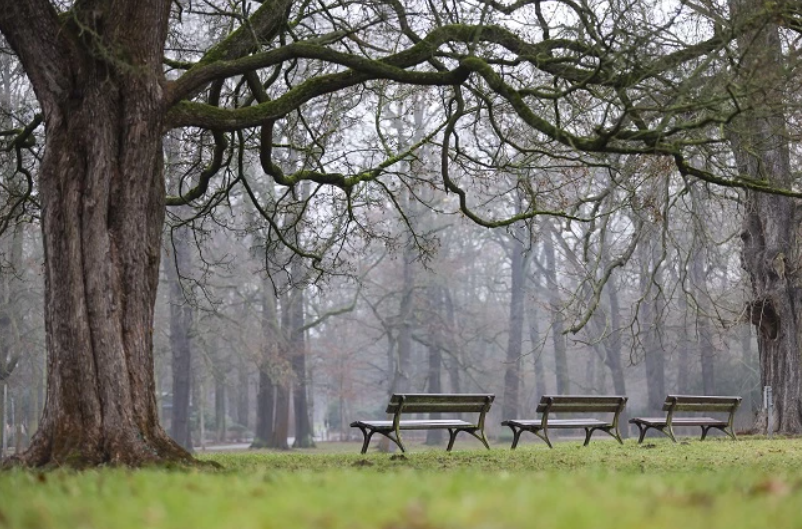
{"type": "Point", "coordinates": [557, 319]}
{"type": "Point", "coordinates": [403, 363]}
{"type": "Point", "coordinates": [704, 334]}
{"type": "Point", "coordinates": [3, 417]}
{"type": "Point", "coordinates": [220, 405]}
{"type": "Point", "coordinates": [512, 374]}
{"type": "Point", "coordinates": [243, 394]}
{"type": "Point", "coordinates": [613, 343]}
{"type": "Point", "coordinates": [752, 393]}
{"type": "Point", "coordinates": [181, 316]}
{"type": "Point", "coordinates": [649, 315]}
{"type": "Point", "coordinates": [454, 359]}
{"type": "Point", "coordinates": [435, 356]}
{"type": "Point", "coordinates": [683, 356]}
{"type": "Point", "coordinates": [771, 236]}
{"type": "Point", "coordinates": [265, 403]}
{"type": "Point", "coordinates": [537, 351]}
{"type": "Point", "coordinates": [303, 427]}
{"type": "Point", "coordinates": [265, 400]}
{"type": "Point", "coordinates": [281, 426]}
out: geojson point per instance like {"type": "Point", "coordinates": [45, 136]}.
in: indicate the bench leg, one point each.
{"type": "Point", "coordinates": [366, 435]}
{"type": "Point", "coordinates": [482, 438]}
{"type": "Point", "coordinates": [588, 433]}
{"type": "Point", "coordinates": [705, 429]}
{"type": "Point", "coordinates": [544, 436]}
{"type": "Point", "coordinates": [642, 428]}
{"type": "Point", "coordinates": [616, 434]}
{"type": "Point", "coordinates": [516, 436]}
{"type": "Point", "coordinates": [452, 436]}
{"type": "Point", "coordinates": [731, 433]}
{"type": "Point", "coordinates": [669, 432]}
{"type": "Point", "coordinates": [396, 440]}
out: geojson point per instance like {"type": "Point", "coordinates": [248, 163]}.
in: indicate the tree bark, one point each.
{"type": "Point", "coordinates": [771, 236]}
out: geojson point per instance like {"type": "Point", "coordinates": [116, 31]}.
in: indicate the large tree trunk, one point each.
{"type": "Point", "coordinates": [771, 235]}
{"type": "Point", "coordinates": [101, 187]}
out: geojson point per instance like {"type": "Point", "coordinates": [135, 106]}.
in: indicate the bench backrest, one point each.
{"type": "Point", "coordinates": [581, 404]}
{"type": "Point", "coordinates": [440, 403]}
{"type": "Point", "coordinates": [701, 403]}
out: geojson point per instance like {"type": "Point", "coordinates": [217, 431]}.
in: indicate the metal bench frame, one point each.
{"type": "Point", "coordinates": [570, 404]}
{"type": "Point", "coordinates": [690, 403]}
{"type": "Point", "coordinates": [406, 403]}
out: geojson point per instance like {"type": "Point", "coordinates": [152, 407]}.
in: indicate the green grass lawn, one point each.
{"type": "Point", "coordinates": [751, 483]}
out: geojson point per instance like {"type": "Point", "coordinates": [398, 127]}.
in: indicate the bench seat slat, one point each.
{"type": "Point", "coordinates": [680, 421]}
{"type": "Point", "coordinates": [558, 423]}
{"type": "Point", "coordinates": [415, 425]}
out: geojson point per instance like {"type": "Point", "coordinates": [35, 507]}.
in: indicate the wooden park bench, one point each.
{"type": "Point", "coordinates": [550, 404]}
{"type": "Point", "coordinates": [690, 403]}
{"type": "Point", "coordinates": [407, 403]}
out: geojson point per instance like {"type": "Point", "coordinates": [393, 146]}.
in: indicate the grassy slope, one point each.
{"type": "Point", "coordinates": [751, 483]}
